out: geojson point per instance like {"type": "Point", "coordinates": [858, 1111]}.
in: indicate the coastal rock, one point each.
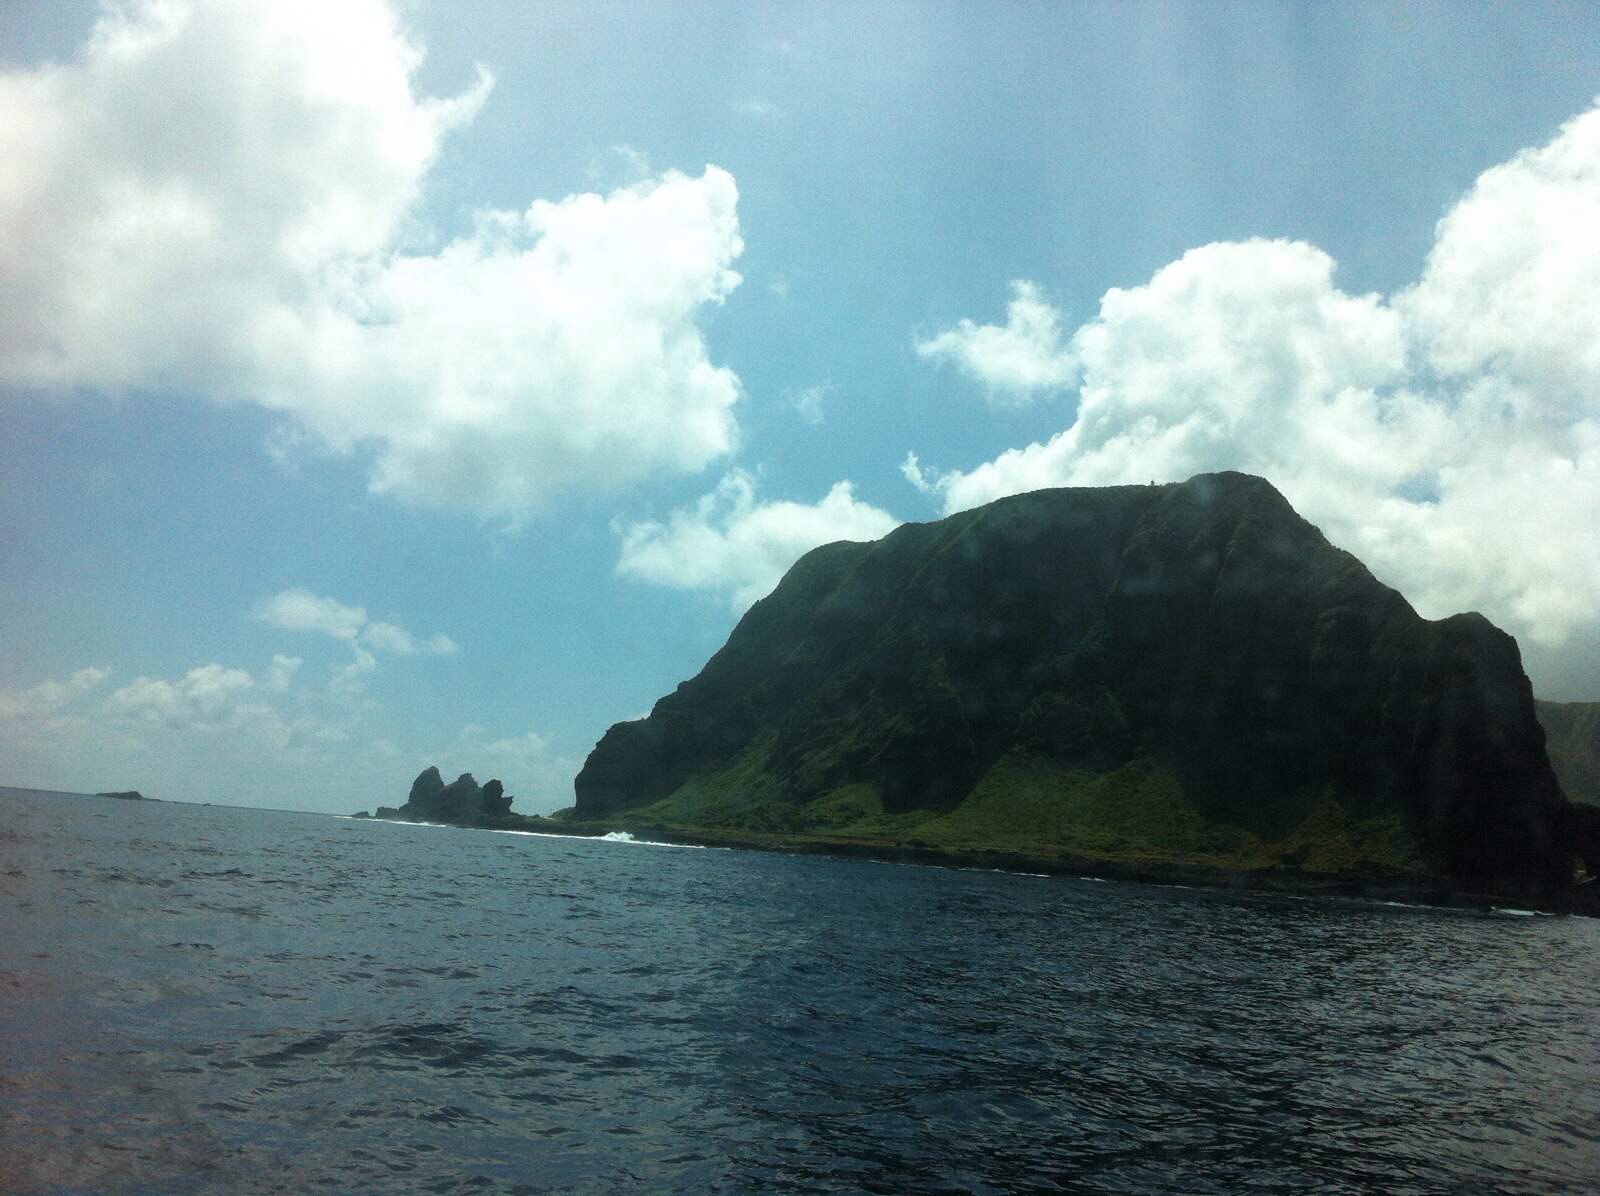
{"type": "Point", "coordinates": [462, 802]}
{"type": "Point", "coordinates": [461, 798]}
{"type": "Point", "coordinates": [1186, 671]}
{"type": "Point", "coordinates": [426, 788]}
{"type": "Point", "coordinates": [495, 801]}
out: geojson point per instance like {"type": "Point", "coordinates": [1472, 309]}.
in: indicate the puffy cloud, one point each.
{"type": "Point", "coordinates": [810, 402]}
{"type": "Point", "coordinates": [552, 350]}
{"type": "Point", "coordinates": [1450, 435]}
{"type": "Point", "coordinates": [210, 700]}
{"type": "Point", "coordinates": [391, 637]}
{"type": "Point", "coordinates": [215, 732]}
{"type": "Point", "coordinates": [1512, 284]}
{"type": "Point", "coordinates": [628, 162]}
{"type": "Point", "coordinates": [280, 674]}
{"type": "Point", "coordinates": [212, 712]}
{"type": "Point", "coordinates": [1239, 355]}
{"type": "Point", "coordinates": [50, 696]}
{"type": "Point", "coordinates": [299, 609]}
{"type": "Point", "coordinates": [528, 746]}
{"type": "Point", "coordinates": [731, 544]}
{"type": "Point", "coordinates": [87, 678]}
{"type": "Point", "coordinates": [349, 681]}
{"type": "Point", "coordinates": [1017, 361]}
{"type": "Point", "coordinates": [204, 695]}
{"type": "Point", "coordinates": [263, 726]}
{"type": "Point", "coordinates": [222, 199]}
{"type": "Point", "coordinates": [196, 169]}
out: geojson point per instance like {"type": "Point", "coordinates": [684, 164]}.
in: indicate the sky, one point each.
{"type": "Point", "coordinates": [385, 385]}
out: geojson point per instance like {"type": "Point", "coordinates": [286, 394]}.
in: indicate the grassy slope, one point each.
{"type": "Point", "coordinates": [1028, 806]}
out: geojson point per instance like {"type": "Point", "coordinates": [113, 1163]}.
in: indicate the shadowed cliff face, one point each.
{"type": "Point", "coordinates": [462, 801]}
{"type": "Point", "coordinates": [1572, 734]}
{"type": "Point", "coordinates": [1204, 627]}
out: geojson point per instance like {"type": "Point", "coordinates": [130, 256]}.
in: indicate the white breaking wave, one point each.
{"type": "Point", "coordinates": [609, 837]}
{"type": "Point", "coordinates": [625, 837]}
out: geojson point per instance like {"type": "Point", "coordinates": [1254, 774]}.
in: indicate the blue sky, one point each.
{"type": "Point", "coordinates": [387, 385]}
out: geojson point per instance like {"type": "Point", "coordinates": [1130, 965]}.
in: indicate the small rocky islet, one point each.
{"type": "Point", "coordinates": [463, 802]}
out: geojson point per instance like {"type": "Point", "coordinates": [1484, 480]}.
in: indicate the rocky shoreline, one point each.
{"type": "Point", "coordinates": [1436, 892]}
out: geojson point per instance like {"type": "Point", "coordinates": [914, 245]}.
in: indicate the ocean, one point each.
{"type": "Point", "coordinates": [213, 999]}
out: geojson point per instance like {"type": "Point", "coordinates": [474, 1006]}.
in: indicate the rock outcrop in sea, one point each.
{"type": "Point", "coordinates": [463, 802]}
{"type": "Point", "coordinates": [1186, 672]}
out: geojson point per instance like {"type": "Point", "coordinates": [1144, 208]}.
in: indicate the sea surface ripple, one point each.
{"type": "Point", "coordinates": [199, 999]}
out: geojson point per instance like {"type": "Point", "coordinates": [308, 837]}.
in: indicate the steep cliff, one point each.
{"type": "Point", "coordinates": [1185, 672]}
{"type": "Point", "coordinates": [1572, 735]}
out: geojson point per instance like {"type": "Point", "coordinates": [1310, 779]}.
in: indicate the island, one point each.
{"type": "Point", "coordinates": [125, 795]}
{"type": "Point", "coordinates": [463, 802]}
{"type": "Point", "coordinates": [1166, 682]}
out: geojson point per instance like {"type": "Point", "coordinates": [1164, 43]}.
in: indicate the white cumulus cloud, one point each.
{"type": "Point", "coordinates": [221, 199]}
{"type": "Point", "coordinates": [1512, 285]}
{"type": "Point", "coordinates": [195, 715]}
{"type": "Point", "coordinates": [299, 609]}
{"type": "Point", "coordinates": [731, 544]}
{"type": "Point", "coordinates": [810, 403]}
{"type": "Point", "coordinates": [1015, 361]}
{"type": "Point", "coordinates": [391, 637]}
{"type": "Point", "coordinates": [349, 681]}
{"type": "Point", "coordinates": [207, 694]}
{"type": "Point", "coordinates": [1449, 435]}
{"type": "Point", "coordinates": [48, 697]}
{"type": "Point", "coordinates": [280, 674]}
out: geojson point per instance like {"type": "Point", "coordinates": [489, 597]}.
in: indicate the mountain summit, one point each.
{"type": "Point", "coordinates": [1185, 672]}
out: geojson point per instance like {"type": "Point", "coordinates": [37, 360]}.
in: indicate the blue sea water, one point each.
{"type": "Point", "coordinates": [199, 999]}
